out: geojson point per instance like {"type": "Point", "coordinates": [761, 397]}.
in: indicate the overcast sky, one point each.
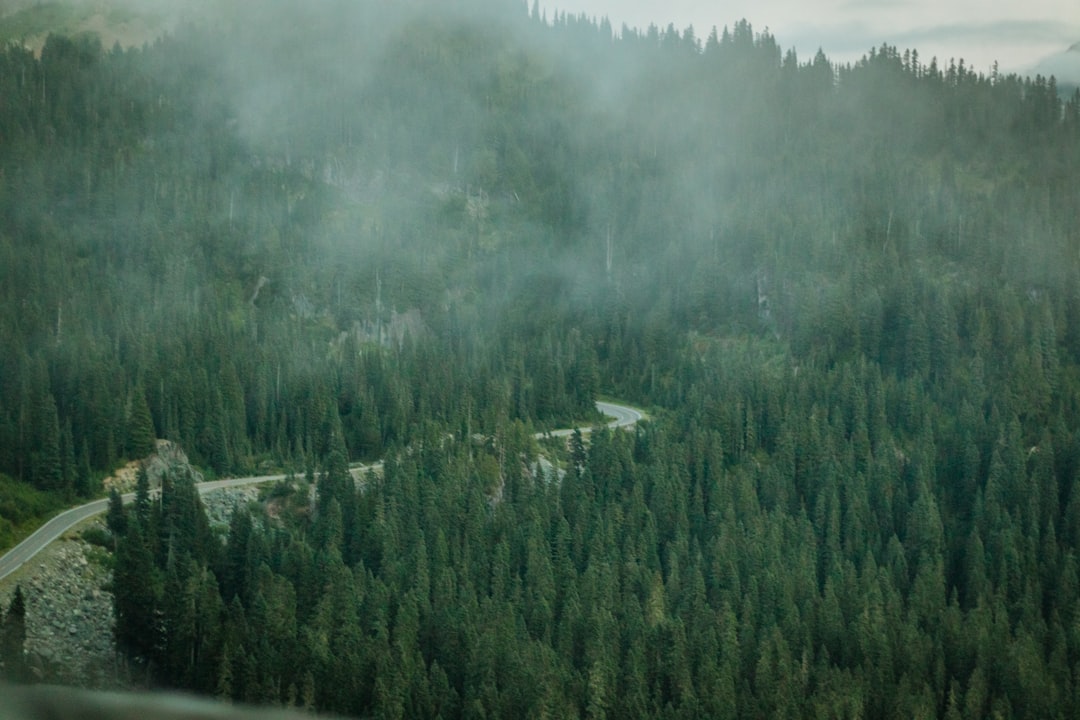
{"type": "Point", "coordinates": [1017, 33]}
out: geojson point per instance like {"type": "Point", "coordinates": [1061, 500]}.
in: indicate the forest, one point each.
{"type": "Point", "coordinates": [849, 296]}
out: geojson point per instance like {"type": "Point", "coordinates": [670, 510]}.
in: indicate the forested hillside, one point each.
{"type": "Point", "coordinates": [850, 294]}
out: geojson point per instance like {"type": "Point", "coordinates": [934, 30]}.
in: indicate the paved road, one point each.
{"type": "Point", "coordinates": [624, 416]}
{"type": "Point", "coordinates": [45, 534]}
{"type": "Point", "coordinates": [10, 562]}
{"type": "Point", "coordinates": [68, 519]}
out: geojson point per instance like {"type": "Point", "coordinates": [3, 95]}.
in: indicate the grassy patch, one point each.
{"type": "Point", "coordinates": [100, 557]}
{"type": "Point", "coordinates": [23, 509]}
{"type": "Point", "coordinates": [98, 536]}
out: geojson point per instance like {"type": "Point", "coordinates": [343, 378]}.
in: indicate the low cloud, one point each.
{"type": "Point", "coordinates": [1015, 45]}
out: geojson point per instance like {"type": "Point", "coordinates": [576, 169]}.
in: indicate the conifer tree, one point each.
{"type": "Point", "coordinates": [68, 468]}
{"type": "Point", "coordinates": [136, 597]}
{"type": "Point", "coordinates": [141, 438]}
{"type": "Point", "coordinates": [143, 504]}
{"type": "Point", "coordinates": [83, 473]}
{"type": "Point", "coordinates": [13, 637]}
{"type": "Point", "coordinates": [48, 464]}
{"type": "Point", "coordinates": [116, 516]}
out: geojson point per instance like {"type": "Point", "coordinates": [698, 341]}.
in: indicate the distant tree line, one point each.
{"type": "Point", "coordinates": [13, 639]}
{"type": "Point", "coordinates": [850, 293]}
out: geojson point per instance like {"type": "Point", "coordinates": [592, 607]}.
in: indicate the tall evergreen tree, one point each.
{"type": "Point", "coordinates": [115, 516]}
{"type": "Point", "coordinates": [48, 468]}
{"type": "Point", "coordinates": [136, 596]}
{"type": "Point", "coordinates": [141, 437]}
{"type": "Point", "coordinates": [13, 637]}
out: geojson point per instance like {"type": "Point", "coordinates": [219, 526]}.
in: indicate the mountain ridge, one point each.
{"type": "Point", "coordinates": [1064, 66]}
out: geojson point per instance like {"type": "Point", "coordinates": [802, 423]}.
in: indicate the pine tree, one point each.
{"type": "Point", "coordinates": [143, 507]}
{"type": "Point", "coordinates": [83, 475]}
{"type": "Point", "coordinates": [67, 460]}
{"type": "Point", "coordinates": [141, 438]}
{"type": "Point", "coordinates": [223, 686]}
{"type": "Point", "coordinates": [213, 441]}
{"type": "Point", "coordinates": [48, 466]}
{"type": "Point", "coordinates": [13, 637]}
{"type": "Point", "coordinates": [116, 516]}
{"type": "Point", "coordinates": [136, 598]}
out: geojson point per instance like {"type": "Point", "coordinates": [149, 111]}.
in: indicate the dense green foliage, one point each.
{"type": "Point", "coordinates": [23, 508]}
{"type": "Point", "coordinates": [160, 277]}
{"type": "Point", "coordinates": [851, 293]}
{"type": "Point", "coordinates": [13, 638]}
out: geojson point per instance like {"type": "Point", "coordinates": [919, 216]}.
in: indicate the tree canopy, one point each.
{"type": "Point", "coordinates": [848, 293]}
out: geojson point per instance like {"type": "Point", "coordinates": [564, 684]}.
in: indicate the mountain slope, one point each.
{"type": "Point", "coordinates": [113, 22]}
{"type": "Point", "coordinates": [850, 292]}
{"type": "Point", "coordinates": [1064, 66]}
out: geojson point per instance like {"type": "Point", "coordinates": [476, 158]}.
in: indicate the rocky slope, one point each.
{"type": "Point", "coordinates": [69, 611]}
{"type": "Point", "coordinates": [168, 457]}
{"type": "Point", "coordinates": [69, 615]}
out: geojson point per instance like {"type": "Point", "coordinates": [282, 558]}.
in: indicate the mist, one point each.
{"type": "Point", "coordinates": [290, 237]}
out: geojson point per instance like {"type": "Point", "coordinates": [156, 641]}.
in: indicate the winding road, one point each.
{"type": "Point", "coordinates": [623, 416]}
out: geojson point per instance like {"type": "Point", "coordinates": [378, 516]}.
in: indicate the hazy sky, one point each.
{"type": "Point", "coordinates": [1017, 33]}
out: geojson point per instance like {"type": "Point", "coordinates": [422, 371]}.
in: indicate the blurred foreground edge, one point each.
{"type": "Point", "coordinates": [51, 702]}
